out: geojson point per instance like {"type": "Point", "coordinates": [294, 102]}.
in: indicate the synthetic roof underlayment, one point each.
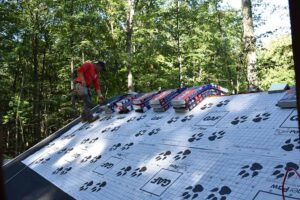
{"type": "Point", "coordinates": [228, 147]}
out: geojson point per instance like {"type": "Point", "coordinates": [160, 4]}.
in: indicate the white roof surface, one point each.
{"type": "Point", "coordinates": [231, 147]}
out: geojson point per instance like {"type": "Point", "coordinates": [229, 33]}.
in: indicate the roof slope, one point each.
{"type": "Point", "coordinates": [229, 147]}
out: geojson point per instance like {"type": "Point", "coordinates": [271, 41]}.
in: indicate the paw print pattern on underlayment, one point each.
{"type": "Point", "coordinates": [216, 135]}
{"type": "Point", "coordinates": [86, 185]}
{"type": "Point", "coordinates": [254, 170]}
{"type": "Point", "coordinates": [84, 141]}
{"type": "Point", "coordinates": [156, 118]}
{"type": "Point", "coordinates": [131, 119]}
{"type": "Point", "coordinates": [58, 170]}
{"type": "Point", "coordinates": [163, 155]}
{"type": "Point", "coordinates": [106, 130]}
{"type": "Point", "coordinates": [127, 146]}
{"type": "Point", "coordinates": [115, 147]}
{"type": "Point", "coordinates": [123, 171]}
{"type": "Point", "coordinates": [205, 106]}
{"type": "Point", "coordinates": [85, 159]}
{"type": "Point", "coordinates": [62, 170]}
{"type": "Point", "coordinates": [115, 129]}
{"type": "Point", "coordinates": [280, 170]}
{"type": "Point", "coordinates": [187, 118]}
{"type": "Point", "coordinates": [173, 120]}
{"type": "Point", "coordinates": [239, 120]}
{"type": "Point", "coordinates": [138, 171]}
{"type": "Point", "coordinates": [42, 160]}
{"type": "Point", "coordinates": [290, 144]}
{"type": "Point", "coordinates": [196, 137]}
{"type": "Point", "coordinates": [261, 117]}
{"type": "Point", "coordinates": [182, 154]}
{"type": "Point", "coordinates": [223, 103]}
{"type": "Point", "coordinates": [141, 117]}
{"type": "Point", "coordinates": [219, 194]}
{"type": "Point", "coordinates": [192, 192]}
{"type": "Point", "coordinates": [140, 133]}
{"type": "Point", "coordinates": [154, 131]}
{"type": "Point", "coordinates": [65, 150]}
{"type": "Point", "coordinates": [65, 170]}
{"type": "Point", "coordinates": [98, 186]}
{"type": "Point", "coordinates": [95, 159]}
{"type": "Point", "coordinates": [93, 140]}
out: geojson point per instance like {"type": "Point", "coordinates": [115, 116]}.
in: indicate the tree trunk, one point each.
{"type": "Point", "coordinates": [178, 48]}
{"type": "Point", "coordinates": [129, 32]}
{"type": "Point", "coordinates": [71, 27]}
{"type": "Point", "coordinates": [72, 83]}
{"type": "Point", "coordinates": [249, 40]}
{"type": "Point", "coordinates": [36, 95]}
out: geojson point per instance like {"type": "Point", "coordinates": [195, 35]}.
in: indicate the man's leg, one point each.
{"type": "Point", "coordinates": [84, 95]}
{"type": "Point", "coordinates": [87, 101]}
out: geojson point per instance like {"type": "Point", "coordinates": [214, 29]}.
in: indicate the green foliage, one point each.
{"type": "Point", "coordinates": [41, 38]}
{"type": "Point", "coordinates": [17, 107]}
{"type": "Point", "coordinates": [276, 63]}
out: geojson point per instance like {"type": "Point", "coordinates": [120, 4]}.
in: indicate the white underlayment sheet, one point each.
{"type": "Point", "coordinates": [231, 147]}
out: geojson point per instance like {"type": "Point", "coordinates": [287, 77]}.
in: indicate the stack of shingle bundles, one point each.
{"type": "Point", "coordinates": [109, 108]}
{"type": "Point", "coordinates": [126, 104]}
{"type": "Point", "coordinates": [142, 103]}
{"type": "Point", "coordinates": [213, 91]}
{"type": "Point", "coordinates": [289, 100]}
{"type": "Point", "coordinates": [162, 101]}
{"type": "Point", "coordinates": [220, 90]}
{"type": "Point", "coordinates": [191, 97]}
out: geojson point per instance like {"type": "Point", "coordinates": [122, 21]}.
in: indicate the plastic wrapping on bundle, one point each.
{"type": "Point", "coordinates": [191, 97]}
{"type": "Point", "coordinates": [142, 103]}
{"type": "Point", "coordinates": [126, 104]}
{"type": "Point", "coordinates": [162, 101]}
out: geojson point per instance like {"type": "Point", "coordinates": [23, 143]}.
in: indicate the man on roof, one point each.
{"type": "Point", "coordinates": [88, 75]}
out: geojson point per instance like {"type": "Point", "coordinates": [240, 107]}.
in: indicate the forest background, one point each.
{"type": "Point", "coordinates": [147, 45]}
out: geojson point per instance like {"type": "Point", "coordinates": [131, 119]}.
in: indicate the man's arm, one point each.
{"type": "Point", "coordinates": [80, 73]}
{"type": "Point", "coordinates": [98, 90]}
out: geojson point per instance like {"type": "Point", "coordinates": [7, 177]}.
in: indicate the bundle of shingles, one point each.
{"type": "Point", "coordinates": [162, 101]}
{"type": "Point", "coordinates": [109, 108]}
{"type": "Point", "coordinates": [191, 97]}
{"type": "Point", "coordinates": [289, 100]}
{"type": "Point", "coordinates": [126, 104]}
{"type": "Point", "coordinates": [142, 103]}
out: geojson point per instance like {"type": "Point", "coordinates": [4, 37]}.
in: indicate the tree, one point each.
{"type": "Point", "coordinates": [276, 63]}
{"type": "Point", "coordinates": [163, 44]}
{"type": "Point", "coordinates": [250, 42]}
{"type": "Point", "coordinates": [129, 31]}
